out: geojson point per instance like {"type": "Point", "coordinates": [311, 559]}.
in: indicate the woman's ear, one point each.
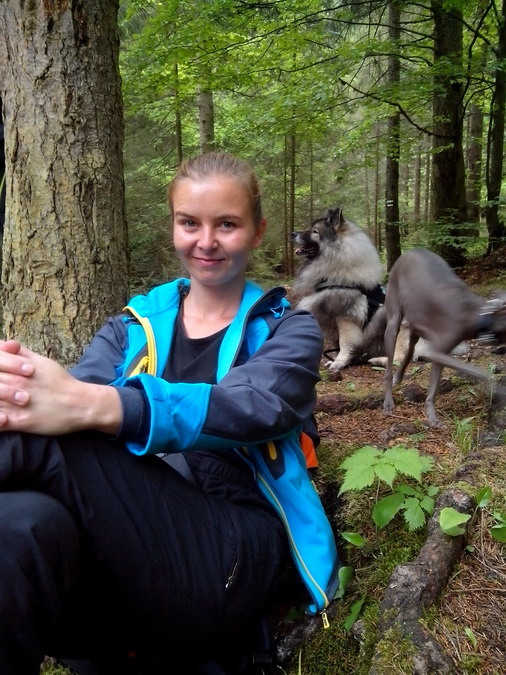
{"type": "Point", "coordinates": [260, 233]}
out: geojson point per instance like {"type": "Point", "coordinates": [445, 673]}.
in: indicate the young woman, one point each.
{"type": "Point", "coordinates": [104, 546]}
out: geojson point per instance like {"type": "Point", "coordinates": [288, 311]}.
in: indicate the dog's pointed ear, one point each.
{"type": "Point", "coordinates": [335, 218]}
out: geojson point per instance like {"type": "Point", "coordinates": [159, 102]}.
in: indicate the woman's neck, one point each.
{"type": "Point", "coordinates": [206, 310]}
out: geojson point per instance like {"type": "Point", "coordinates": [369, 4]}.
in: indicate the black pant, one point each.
{"type": "Point", "coordinates": [102, 551]}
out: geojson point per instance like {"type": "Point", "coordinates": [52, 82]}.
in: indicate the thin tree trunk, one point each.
{"type": "Point", "coordinates": [392, 232]}
{"type": "Point", "coordinates": [496, 228]}
{"type": "Point", "coordinates": [206, 120]}
{"type": "Point", "coordinates": [474, 153]}
{"type": "Point", "coordinates": [377, 188]}
{"type": "Point", "coordinates": [449, 206]}
{"type": "Point", "coordinates": [65, 259]}
{"type": "Point", "coordinates": [427, 190]}
{"type": "Point", "coordinates": [417, 187]}
{"type": "Point", "coordinates": [291, 202]}
{"type": "Point", "coordinates": [177, 118]}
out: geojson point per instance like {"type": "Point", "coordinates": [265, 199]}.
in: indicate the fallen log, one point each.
{"type": "Point", "coordinates": [413, 588]}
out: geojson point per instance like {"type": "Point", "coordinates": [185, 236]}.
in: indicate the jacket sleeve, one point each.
{"type": "Point", "coordinates": [102, 362]}
{"type": "Point", "coordinates": [264, 398]}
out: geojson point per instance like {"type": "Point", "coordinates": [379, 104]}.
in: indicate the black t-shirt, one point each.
{"type": "Point", "coordinates": [222, 472]}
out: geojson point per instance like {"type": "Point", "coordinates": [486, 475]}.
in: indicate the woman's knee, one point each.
{"type": "Point", "coordinates": [38, 538]}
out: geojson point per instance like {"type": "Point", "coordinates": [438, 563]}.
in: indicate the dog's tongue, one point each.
{"type": "Point", "coordinates": [300, 251]}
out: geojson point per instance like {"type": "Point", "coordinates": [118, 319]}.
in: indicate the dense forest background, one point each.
{"type": "Point", "coordinates": [392, 110]}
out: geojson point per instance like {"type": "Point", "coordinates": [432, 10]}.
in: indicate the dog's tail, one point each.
{"type": "Point", "coordinates": [374, 332]}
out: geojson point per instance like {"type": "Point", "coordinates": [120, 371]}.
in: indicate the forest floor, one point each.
{"type": "Point", "coordinates": [469, 620]}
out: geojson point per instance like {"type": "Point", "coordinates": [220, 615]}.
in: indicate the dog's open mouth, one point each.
{"type": "Point", "coordinates": [307, 251]}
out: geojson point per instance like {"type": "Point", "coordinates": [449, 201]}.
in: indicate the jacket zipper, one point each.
{"type": "Point", "coordinates": [297, 553]}
{"type": "Point", "coordinates": [148, 363]}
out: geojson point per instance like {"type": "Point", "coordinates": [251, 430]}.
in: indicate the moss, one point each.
{"type": "Point", "coordinates": [394, 653]}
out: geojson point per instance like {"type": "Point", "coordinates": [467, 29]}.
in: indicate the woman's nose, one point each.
{"type": "Point", "coordinates": [207, 239]}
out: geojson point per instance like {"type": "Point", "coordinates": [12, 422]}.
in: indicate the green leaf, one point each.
{"type": "Point", "coordinates": [357, 478]}
{"type": "Point", "coordinates": [413, 513]}
{"type": "Point", "coordinates": [385, 472]}
{"type": "Point", "coordinates": [354, 538]}
{"type": "Point", "coordinates": [345, 575]}
{"type": "Point", "coordinates": [365, 455]}
{"type": "Point", "coordinates": [472, 637]}
{"type": "Point", "coordinates": [407, 490]}
{"type": "Point", "coordinates": [386, 509]}
{"type": "Point", "coordinates": [498, 532]}
{"type": "Point", "coordinates": [408, 462]}
{"type": "Point", "coordinates": [353, 615]}
{"type": "Point", "coordinates": [483, 497]}
{"type": "Point", "coordinates": [451, 521]}
{"type": "Point", "coordinates": [428, 504]}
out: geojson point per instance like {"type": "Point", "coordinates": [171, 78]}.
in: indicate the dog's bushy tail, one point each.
{"type": "Point", "coordinates": [374, 332]}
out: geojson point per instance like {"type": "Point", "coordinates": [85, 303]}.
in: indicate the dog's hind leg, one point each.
{"type": "Point", "coordinates": [435, 377]}
{"type": "Point", "coordinates": [439, 360]}
{"type": "Point", "coordinates": [391, 332]}
{"type": "Point", "coordinates": [350, 340]}
{"type": "Point", "coordinates": [408, 355]}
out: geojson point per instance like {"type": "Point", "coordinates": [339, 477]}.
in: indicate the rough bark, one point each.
{"type": "Point", "coordinates": [474, 153]}
{"type": "Point", "coordinates": [65, 260]}
{"type": "Point", "coordinates": [417, 188]}
{"type": "Point", "coordinates": [449, 206]}
{"type": "Point", "coordinates": [495, 226]}
{"type": "Point", "coordinates": [206, 120]}
{"type": "Point", "coordinates": [392, 231]}
{"type": "Point", "coordinates": [416, 586]}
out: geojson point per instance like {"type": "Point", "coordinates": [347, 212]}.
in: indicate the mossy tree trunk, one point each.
{"type": "Point", "coordinates": [65, 257]}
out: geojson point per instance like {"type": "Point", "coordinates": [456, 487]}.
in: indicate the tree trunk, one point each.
{"type": "Point", "coordinates": [474, 152]}
{"type": "Point", "coordinates": [426, 201]}
{"type": "Point", "coordinates": [65, 258]}
{"type": "Point", "coordinates": [177, 118]}
{"type": "Point", "coordinates": [376, 224]}
{"type": "Point", "coordinates": [449, 206]}
{"type": "Point", "coordinates": [392, 232]}
{"type": "Point", "coordinates": [291, 203]}
{"type": "Point", "coordinates": [206, 120]}
{"type": "Point", "coordinates": [417, 187]}
{"type": "Point", "coordinates": [496, 228]}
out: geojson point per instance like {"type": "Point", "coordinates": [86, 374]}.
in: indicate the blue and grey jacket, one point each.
{"type": "Point", "coordinates": [267, 368]}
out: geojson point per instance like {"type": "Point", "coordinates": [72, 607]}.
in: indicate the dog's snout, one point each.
{"type": "Point", "coordinates": [294, 235]}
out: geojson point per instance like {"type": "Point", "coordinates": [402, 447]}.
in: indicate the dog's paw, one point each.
{"type": "Point", "coordinates": [336, 366]}
{"type": "Point", "coordinates": [388, 407]}
{"type": "Point", "coordinates": [378, 361]}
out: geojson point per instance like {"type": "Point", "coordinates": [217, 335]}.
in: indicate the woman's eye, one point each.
{"type": "Point", "coordinates": [189, 223]}
{"type": "Point", "coordinates": [227, 225]}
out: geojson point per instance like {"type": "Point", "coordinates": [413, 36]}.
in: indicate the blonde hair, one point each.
{"type": "Point", "coordinates": [221, 164]}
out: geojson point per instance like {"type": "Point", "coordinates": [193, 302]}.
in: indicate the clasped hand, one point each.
{"type": "Point", "coordinates": [35, 392]}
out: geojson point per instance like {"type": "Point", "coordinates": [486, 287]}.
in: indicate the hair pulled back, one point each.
{"type": "Point", "coordinates": [221, 164]}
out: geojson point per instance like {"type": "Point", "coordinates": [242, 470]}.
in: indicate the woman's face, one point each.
{"type": "Point", "coordinates": [214, 230]}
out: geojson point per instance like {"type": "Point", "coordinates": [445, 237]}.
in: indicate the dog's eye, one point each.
{"type": "Point", "coordinates": [315, 231]}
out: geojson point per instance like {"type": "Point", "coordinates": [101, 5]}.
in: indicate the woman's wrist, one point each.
{"type": "Point", "coordinates": [101, 408]}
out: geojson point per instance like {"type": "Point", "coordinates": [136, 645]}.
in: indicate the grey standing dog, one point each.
{"type": "Point", "coordinates": [439, 307]}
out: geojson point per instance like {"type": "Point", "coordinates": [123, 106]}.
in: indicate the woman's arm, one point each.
{"type": "Point", "coordinates": [264, 398]}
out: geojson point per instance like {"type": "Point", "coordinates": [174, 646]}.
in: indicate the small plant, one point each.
{"type": "Point", "coordinates": [463, 434]}
{"type": "Point", "coordinates": [369, 465]}
{"type": "Point", "coordinates": [451, 521]}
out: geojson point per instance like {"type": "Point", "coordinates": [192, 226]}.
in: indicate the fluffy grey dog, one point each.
{"type": "Point", "coordinates": [340, 283]}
